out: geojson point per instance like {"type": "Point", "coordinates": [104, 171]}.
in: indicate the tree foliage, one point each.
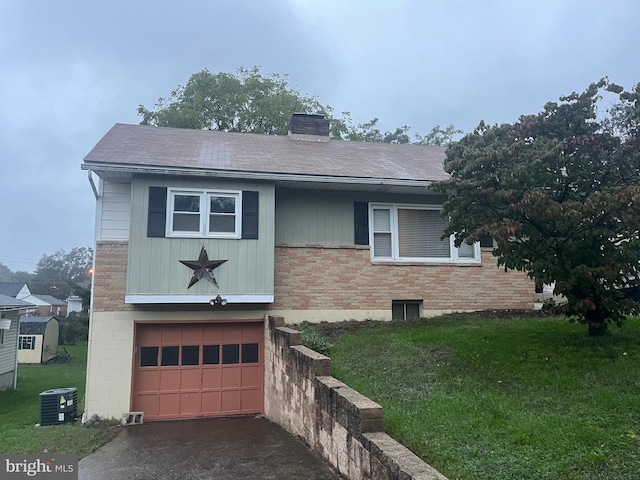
{"type": "Point", "coordinates": [64, 273]}
{"type": "Point", "coordinates": [251, 102]}
{"type": "Point", "coordinates": [559, 192]}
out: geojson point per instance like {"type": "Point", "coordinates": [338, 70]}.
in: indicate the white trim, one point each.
{"type": "Point", "coordinates": [204, 213]}
{"type": "Point", "coordinates": [395, 255]}
{"type": "Point", "coordinates": [197, 298]}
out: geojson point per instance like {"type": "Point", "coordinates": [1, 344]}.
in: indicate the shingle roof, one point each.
{"type": "Point", "coordinates": [30, 325]}
{"type": "Point", "coordinates": [51, 300]}
{"type": "Point", "coordinates": [11, 288]}
{"type": "Point", "coordinates": [8, 302]}
{"type": "Point", "coordinates": [163, 147]}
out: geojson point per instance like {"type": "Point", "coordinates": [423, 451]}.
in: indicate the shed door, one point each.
{"type": "Point", "coordinates": [198, 370]}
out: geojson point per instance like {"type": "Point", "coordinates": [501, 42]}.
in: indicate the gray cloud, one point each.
{"type": "Point", "coordinates": [72, 69]}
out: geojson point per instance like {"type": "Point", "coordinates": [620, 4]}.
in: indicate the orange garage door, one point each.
{"type": "Point", "coordinates": [197, 370]}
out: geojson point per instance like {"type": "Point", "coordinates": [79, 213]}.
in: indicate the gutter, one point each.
{"type": "Point", "coordinates": [236, 174]}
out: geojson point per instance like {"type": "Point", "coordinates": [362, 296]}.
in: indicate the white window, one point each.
{"type": "Point", "coordinates": [205, 213]}
{"type": "Point", "coordinates": [412, 233]}
{"type": "Point", "coordinates": [27, 342]}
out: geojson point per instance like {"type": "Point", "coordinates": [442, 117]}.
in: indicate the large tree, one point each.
{"type": "Point", "coordinates": [251, 102]}
{"type": "Point", "coordinates": [64, 273]}
{"type": "Point", "coordinates": [559, 192]}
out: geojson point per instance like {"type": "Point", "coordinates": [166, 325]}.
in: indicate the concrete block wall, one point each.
{"type": "Point", "coordinates": [342, 425]}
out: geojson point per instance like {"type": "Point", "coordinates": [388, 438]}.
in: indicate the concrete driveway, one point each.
{"type": "Point", "coordinates": [251, 448]}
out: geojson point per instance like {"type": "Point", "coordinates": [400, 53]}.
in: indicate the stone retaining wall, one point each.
{"type": "Point", "coordinates": [342, 425]}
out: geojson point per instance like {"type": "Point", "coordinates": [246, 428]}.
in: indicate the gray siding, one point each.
{"type": "Point", "coordinates": [322, 217]}
{"type": "Point", "coordinates": [8, 352]}
{"type": "Point", "coordinates": [154, 266]}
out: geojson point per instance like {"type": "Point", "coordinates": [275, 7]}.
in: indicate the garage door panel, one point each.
{"type": "Point", "coordinates": [231, 377]}
{"type": "Point", "coordinates": [211, 378]}
{"type": "Point", "coordinates": [198, 370]}
{"type": "Point", "coordinates": [148, 381]}
{"type": "Point", "coordinates": [170, 334]}
{"type": "Point", "coordinates": [210, 403]}
{"type": "Point", "coordinates": [169, 379]}
{"type": "Point", "coordinates": [230, 401]}
{"type": "Point", "coordinates": [232, 334]}
{"type": "Point", "coordinates": [252, 333]}
{"type": "Point", "coordinates": [169, 404]}
{"type": "Point", "coordinates": [190, 379]}
{"type": "Point", "coordinates": [212, 334]}
{"type": "Point", "coordinates": [251, 376]}
{"type": "Point", "coordinates": [192, 334]}
{"type": "Point", "coordinates": [190, 403]}
{"type": "Point", "coordinates": [251, 400]}
{"type": "Point", "coordinates": [147, 404]}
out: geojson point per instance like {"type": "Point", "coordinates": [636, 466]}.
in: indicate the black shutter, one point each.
{"type": "Point", "coordinates": [361, 223]}
{"type": "Point", "coordinates": [486, 241]}
{"type": "Point", "coordinates": [250, 215]}
{"type": "Point", "coordinates": [157, 221]}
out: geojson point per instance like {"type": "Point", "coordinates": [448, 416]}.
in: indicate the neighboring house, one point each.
{"type": "Point", "coordinates": [199, 234]}
{"type": "Point", "coordinates": [44, 304]}
{"type": "Point", "coordinates": [48, 305]}
{"type": "Point", "coordinates": [74, 304]}
{"type": "Point", "coordinates": [9, 319]}
{"type": "Point", "coordinates": [18, 290]}
{"type": "Point", "coordinates": [38, 342]}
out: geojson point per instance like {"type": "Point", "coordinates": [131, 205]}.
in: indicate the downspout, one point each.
{"type": "Point", "coordinates": [15, 371]}
{"type": "Point", "coordinates": [93, 185]}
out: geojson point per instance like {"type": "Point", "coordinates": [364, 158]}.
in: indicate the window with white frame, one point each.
{"type": "Point", "coordinates": [27, 342]}
{"type": "Point", "coordinates": [412, 233]}
{"type": "Point", "coordinates": [206, 213]}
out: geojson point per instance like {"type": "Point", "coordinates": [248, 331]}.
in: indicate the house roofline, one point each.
{"type": "Point", "coordinates": [97, 168]}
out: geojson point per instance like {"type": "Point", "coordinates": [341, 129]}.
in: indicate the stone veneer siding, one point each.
{"type": "Point", "coordinates": [110, 277]}
{"type": "Point", "coordinates": [343, 426]}
{"type": "Point", "coordinates": [343, 277]}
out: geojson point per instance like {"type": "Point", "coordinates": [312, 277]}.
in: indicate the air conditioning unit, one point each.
{"type": "Point", "coordinates": [58, 406]}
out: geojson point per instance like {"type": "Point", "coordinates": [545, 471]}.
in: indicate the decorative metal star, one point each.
{"type": "Point", "coordinates": [202, 268]}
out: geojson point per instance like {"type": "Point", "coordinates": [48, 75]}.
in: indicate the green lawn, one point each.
{"type": "Point", "coordinates": [19, 411]}
{"type": "Point", "coordinates": [533, 398]}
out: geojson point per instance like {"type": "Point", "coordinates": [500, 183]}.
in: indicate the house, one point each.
{"type": "Point", "coordinates": [48, 305]}
{"type": "Point", "coordinates": [10, 308]}
{"type": "Point", "coordinates": [74, 304]}
{"type": "Point", "coordinates": [200, 234]}
{"type": "Point", "coordinates": [19, 290]}
{"type": "Point", "coordinates": [44, 304]}
{"type": "Point", "coordinates": [38, 342]}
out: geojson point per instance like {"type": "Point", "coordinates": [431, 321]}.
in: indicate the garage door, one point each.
{"type": "Point", "coordinates": [198, 370]}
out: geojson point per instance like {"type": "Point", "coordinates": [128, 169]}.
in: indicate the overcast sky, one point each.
{"type": "Point", "coordinates": [69, 70]}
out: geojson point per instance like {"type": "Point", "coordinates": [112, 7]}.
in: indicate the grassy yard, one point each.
{"type": "Point", "coordinates": [19, 411]}
{"type": "Point", "coordinates": [532, 398]}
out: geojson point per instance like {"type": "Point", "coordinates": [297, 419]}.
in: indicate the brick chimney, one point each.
{"type": "Point", "coordinates": [309, 126]}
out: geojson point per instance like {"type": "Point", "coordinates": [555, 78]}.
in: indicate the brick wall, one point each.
{"type": "Point", "coordinates": [110, 276]}
{"type": "Point", "coordinates": [343, 277]}
{"type": "Point", "coordinates": [343, 426]}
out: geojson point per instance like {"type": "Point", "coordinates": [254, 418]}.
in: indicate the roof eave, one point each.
{"type": "Point", "coordinates": [251, 175]}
